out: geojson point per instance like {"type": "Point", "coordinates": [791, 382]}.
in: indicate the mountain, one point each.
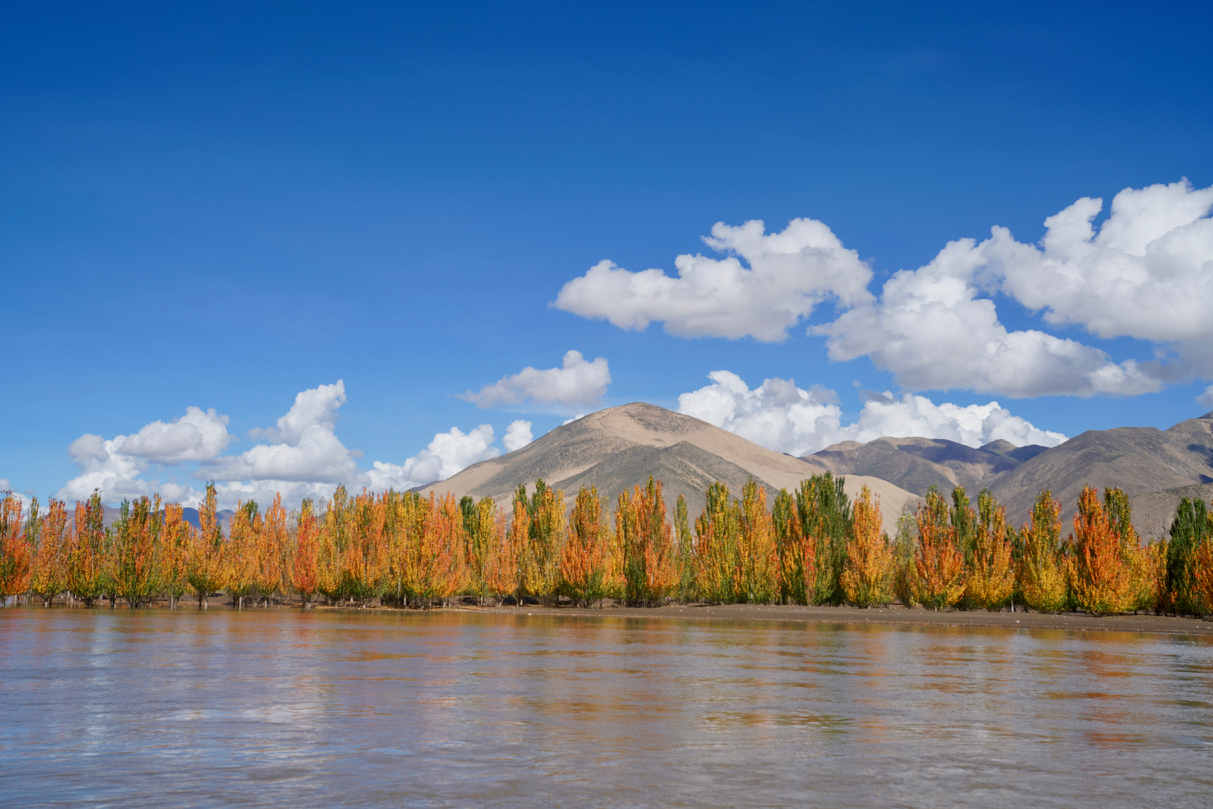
{"type": "Point", "coordinates": [617, 448]}
{"type": "Point", "coordinates": [1154, 511]}
{"type": "Point", "coordinates": [1136, 459]}
{"type": "Point", "coordinates": [1156, 468]}
{"type": "Point", "coordinates": [917, 464]}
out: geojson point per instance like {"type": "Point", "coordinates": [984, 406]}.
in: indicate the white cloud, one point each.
{"type": "Point", "coordinates": [102, 466]}
{"type": "Point", "coordinates": [313, 408]}
{"type": "Point", "coordinates": [1206, 398]}
{"type": "Point", "coordinates": [931, 331]}
{"type": "Point", "coordinates": [448, 454]}
{"type": "Point", "coordinates": [305, 458]}
{"type": "Point", "coordinates": [575, 382]}
{"type": "Point", "coordinates": [782, 417]}
{"type": "Point", "coordinates": [1145, 273]}
{"type": "Point", "coordinates": [517, 435]}
{"type": "Point", "coordinates": [789, 273]}
{"type": "Point", "coordinates": [196, 436]}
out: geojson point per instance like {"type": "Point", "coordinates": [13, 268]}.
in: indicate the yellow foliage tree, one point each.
{"type": "Point", "coordinates": [867, 576]}
{"type": "Point", "coordinates": [990, 579]}
{"type": "Point", "coordinates": [1040, 571]}
{"type": "Point", "coordinates": [206, 562]}
{"type": "Point", "coordinates": [48, 573]}
{"type": "Point", "coordinates": [939, 569]}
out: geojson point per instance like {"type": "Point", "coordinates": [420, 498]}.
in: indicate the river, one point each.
{"type": "Point", "coordinates": [324, 708]}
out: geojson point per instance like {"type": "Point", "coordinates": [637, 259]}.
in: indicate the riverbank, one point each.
{"type": "Point", "coordinates": [893, 615]}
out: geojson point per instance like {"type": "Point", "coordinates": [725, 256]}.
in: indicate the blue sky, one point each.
{"type": "Point", "coordinates": [224, 206]}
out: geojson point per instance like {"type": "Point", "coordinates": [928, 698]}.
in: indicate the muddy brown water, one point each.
{"type": "Point", "coordinates": [288, 708]}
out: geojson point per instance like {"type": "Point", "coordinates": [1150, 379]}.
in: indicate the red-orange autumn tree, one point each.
{"type": "Point", "coordinates": [1106, 552]}
{"type": "Point", "coordinates": [15, 549]}
{"type": "Point", "coordinates": [304, 560]}
{"type": "Point", "coordinates": [583, 559]}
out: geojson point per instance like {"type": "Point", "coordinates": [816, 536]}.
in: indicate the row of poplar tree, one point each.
{"type": "Point", "coordinates": [809, 546]}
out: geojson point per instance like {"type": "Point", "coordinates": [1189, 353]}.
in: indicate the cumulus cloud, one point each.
{"type": "Point", "coordinates": [931, 331]}
{"type": "Point", "coordinates": [1145, 273]}
{"type": "Point", "coordinates": [197, 436]}
{"type": "Point", "coordinates": [300, 457]}
{"type": "Point", "coordinates": [789, 273]}
{"type": "Point", "coordinates": [447, 454]}
{"type": "Point", "coordinates": [780, 416]}
{"type": "Point", "coordinates": [517, 435]}
{"type": "Point", "coordinates": [313, 408]}
{"type": "Point", "coordinates": [575, 382]}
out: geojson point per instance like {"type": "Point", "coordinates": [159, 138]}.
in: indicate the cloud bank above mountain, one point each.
{"type": "Point", "coordinates": [1145, 273]}
{"type": "Point", "coordinates": [780, 416]}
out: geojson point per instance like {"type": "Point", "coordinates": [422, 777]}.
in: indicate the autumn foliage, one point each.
{"type": "Point", "coordinates": [808, 546]}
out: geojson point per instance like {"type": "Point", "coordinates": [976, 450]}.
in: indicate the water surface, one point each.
{"type": "Point", "coordinates": [448, 708]}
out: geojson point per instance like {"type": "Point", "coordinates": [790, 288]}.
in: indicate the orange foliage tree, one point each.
{"type": "Point", "coordinates": [867, 577]}
{"type": "Point", "coordinates": [271, 550]}
{"type": "Point", "coordinates": [650, 559]}
{"type": "Point", "coordinates": [939, 568]}
{"type": "Point", "coordinates": [440, 564]}
{"type": "Point", "coordinates": [1106, 556]}
{"type": "Point", "coordinates": [304, 559]}
{"type": "Point", "coordinates": [584, 556]}
{"type": "Point", "coordinates": [48, 572]}
{"type": "Point", "coordinates": [14, 548]}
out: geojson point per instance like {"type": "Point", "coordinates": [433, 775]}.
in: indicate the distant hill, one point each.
{"type": "Point", "coordinates": [617, 448]}
{"type": "Point", "coordinates": [1135, 459]}
{"type": "Point", "coordinates": [917, 464]}
{"type": "Point", "coordinates": [1156, 468]}
{"type": "Point", "coordinates": [190, 515]}
{"type": "Point", "coordinates": [1154, 511]}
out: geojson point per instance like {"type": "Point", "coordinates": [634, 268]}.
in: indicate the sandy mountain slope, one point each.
{"type": "Point", "coordinates": [623, 446]}
{"type": "Point", "coordinates": [1154, 511]}
{"type": "Point", "coordinates": [1136, 459]}
{"type": "Point", "coordinates": [916, 464]}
